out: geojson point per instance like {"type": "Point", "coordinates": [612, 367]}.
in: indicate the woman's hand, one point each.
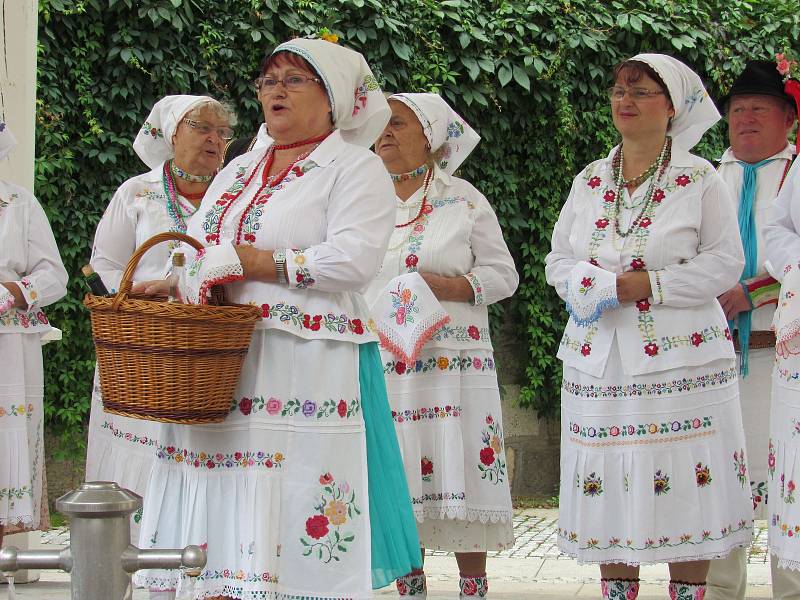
{"type": "Point", "coordinates": [633, 286]}
{"type": "Point", "coordinates": [155, 287]}
{"type": "Point", "coordinates": [456, 289]}
{"type": "Point", "coordinates": [16, 293]}
{"type": "Point", "coordinates": [257, 264]}
{"type": "Point", "coordinates": [734, 301]}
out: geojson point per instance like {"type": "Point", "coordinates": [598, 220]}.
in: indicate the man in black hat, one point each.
{"type": "Point", "coordinates": [760, 116]}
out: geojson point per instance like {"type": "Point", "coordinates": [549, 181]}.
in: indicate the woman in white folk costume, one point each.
{"type": "Point", "coordinates": [181, 141]}
{"type": "Point", "coordinates": [782, 239]}
{"type": "Point", "coordinates": [653, 465]}
{"type": "Point", "coordinates": [300, 492]}
{"type": "Point", "coordinates": [438, 361]}
{"type": "Point", "coordinates": [31, 277]}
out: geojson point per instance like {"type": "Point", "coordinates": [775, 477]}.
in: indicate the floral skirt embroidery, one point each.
{"type": "Point", "coordinates": [278, 492]}
{"type": "Point", "coordinates": [783, 463]}
{"type": "Point", "coordinates": [22, 493]}
{"type": "Point", "coordinates": [653, 476]}
{"type": "Point", "coordinates": [446, 409]}
{"type": "Point", "coordinates": [120, 449]}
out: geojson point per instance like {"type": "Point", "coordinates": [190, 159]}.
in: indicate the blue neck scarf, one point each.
{"type": "Point", "coordinates": [747, 231]}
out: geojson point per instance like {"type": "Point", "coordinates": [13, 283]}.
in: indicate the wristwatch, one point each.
{"type": "Point", "coordinates": [279, 256]}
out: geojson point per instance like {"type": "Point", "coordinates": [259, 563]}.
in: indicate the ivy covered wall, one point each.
{"type": "Point", "coordinates": [528, 75]}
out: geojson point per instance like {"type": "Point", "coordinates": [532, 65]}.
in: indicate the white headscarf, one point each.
{"type": "Point", "coordinates": [695, 112]}
{"type": "Point", "coordinates": [7, 140]}
{"type": "Point", "coordinates": [443, 127]}
{"type": "Point", "coordinates": [359, 110]}
{"type": "Point", "coordinates": [153, 143]}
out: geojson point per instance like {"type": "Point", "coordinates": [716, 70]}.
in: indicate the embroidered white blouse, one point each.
{"type": "Point", "coordinates": [28, 257]}
{"type": "Point", "coordinates": [333, 214]}
{"type": "Point", "coordinates": [460, 236]}
{"type": "Point", "coordinates": [768, 180]}
{"type": "Point", "coordinates": [137, 212]}
{"type": "Point", "coordinates": [782, 233]}
{"type": "Point", "coordinates": [689, 244]}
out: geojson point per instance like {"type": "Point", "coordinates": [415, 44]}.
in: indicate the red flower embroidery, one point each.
{"type": "Point", "coordinates": [426, 466]}
{"type": "Point", "coordinates": [210, 464]}
{"type": "Point", "coordinates": [487, 456]}
{"type": "Point", "coordinates": [601, 223]}
{"type": "Point", "coordinates": [727, 333]}
{"type": "Point", "coordinates": [249, 237]}
{"type": "Point", "coordinates": [427, 209]}
{"type": "Point", "coordinates": [474, 332]}
{"type": "Point", "coordinates": [593, 261]}
{"type": "Point", "coordinates": [312, 323]}
{"type": "Point", "coordinates": [697, 339]}
{"type": "Point", "coordinates": [643, 305]}
{"type": "Point", "coordinates": [658, 195]}
{"type": "Point", "coordinates": [609, 196]}
{"type": "Point", "coordinates": [587, 282]}
{"type": "Point", "coordinates": [325, 479]}
{"type": "Point", "coordinates": [245, 406]}
{"type": "Point", "coordinates": [357, 326]}
{"type": "Point", "coordinates": [402, 588]}
{"type": "Point", "coordinates": [651, 349]}
{"type": "Point", "coordinates": [469, 586]}
{"type": "Point", "coordinates": [400, 367]}
{"type": "Point", "coordinates": [342, 408]}
{"type": "Point", "coordinates": [212, 237]}
{"type": "Point", "coordinates": [683, 180]}
{"type": "Point", "coordinates": [170, 449]}
{"type": "Point", "coordinates": [298, 171]}
{"type": "Point", "coordinates": [265, 311]}
{"type": "Point", "coordinates": [317, 526]}
{"type": "Point", "coordinates": [594, 182]}
{"type": "Point", "coordinates": [586, 349]}
{"type": "Point", "coordinates": [489, 419]}
{"type": "Point", "coordinates": [412, 260]}
{"type": "Point", "coordinates": [644, 223]}
{"type": "Point", "coordinates": [637, 264]}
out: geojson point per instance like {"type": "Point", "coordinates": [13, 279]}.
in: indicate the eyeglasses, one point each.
{"type": "Point", "coordinates": [617, 93]}
{"type": "Point", "coordinates": [203, 128]}
{"type": "Point", "coordinates": [293, 83]}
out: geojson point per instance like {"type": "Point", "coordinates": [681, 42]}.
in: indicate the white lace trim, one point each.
{"type": "Point", "coordinates": [463, 513]}
{"type": "Point", "coordinates": [702, 556]}
{"type": "Point", "coordinates": [585, 303]}
{"type": "Point", "coordinates": [786, 563]}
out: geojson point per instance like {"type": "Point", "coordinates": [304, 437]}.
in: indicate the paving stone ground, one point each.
{"type": "Point", "coordinates": [533, 568]}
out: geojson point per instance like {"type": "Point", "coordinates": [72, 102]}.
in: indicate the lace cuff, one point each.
{"type": "Point", "coordinates": [786, 322]}
{"type": "Point", "coordinates": [211, 266]}
{"type": "Point", "coordinates": [590, 291]}
{"type": "Point", "coordinates": [477, 289]}
{"type": "Point", "coordinates": [6, 300]}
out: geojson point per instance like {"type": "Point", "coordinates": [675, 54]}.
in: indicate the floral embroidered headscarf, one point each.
{"type": "Point", "coordinates": [359, 109]}
{"type": "Point", "coordinates": [695, 112]}
{"type": "Point", "coordinates": [153, 143]}
{"type": "Point", "coordinates": [7, 140]}
{"type": "Point", "coordinates": [443, 127]}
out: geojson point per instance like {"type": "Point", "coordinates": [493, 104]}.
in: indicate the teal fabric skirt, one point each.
{"type": "Point", "coordinates": [395, 543]}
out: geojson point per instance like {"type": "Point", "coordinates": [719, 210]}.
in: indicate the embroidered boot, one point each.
{"type": "Point", "coordinates": [473, 587]}
{"type": "Point", "coordinates": [412, 584]}
{"type": "Point", "coordinates": [680, 590]}
{"type": "Point", "coordinates": [620, 589]}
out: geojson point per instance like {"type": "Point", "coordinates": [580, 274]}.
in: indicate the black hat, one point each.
{"type": "Point", "coordinates": [759, 77]}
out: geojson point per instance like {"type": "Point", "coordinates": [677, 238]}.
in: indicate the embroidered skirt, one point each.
{"type": "Point", "coordinates": [653, 467]}
{"type": "Point", "coordinates": [446, 409]}
{"type": "Point", "coordinates": [278, 493]}
{"type": "Point", "coordinates": [783, 463]}
{"type": "Point", "coordinates": [22, 492]}
{"type": "Point", "coordinates": [120, 449]}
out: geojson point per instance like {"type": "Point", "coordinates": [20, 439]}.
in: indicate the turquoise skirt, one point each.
{"type": "Point", "coordinates": [395, 543]}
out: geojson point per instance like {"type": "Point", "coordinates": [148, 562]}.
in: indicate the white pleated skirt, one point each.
{"type": "Point", "coordinates": [446, 409]}
{"type": "Point", "coordinates": [22, 492]}
{"type": "Point", "coordinates": [653, 467]}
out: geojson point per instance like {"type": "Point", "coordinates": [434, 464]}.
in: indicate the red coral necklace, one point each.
{"type": "Point", "coordinates": [424, 208]}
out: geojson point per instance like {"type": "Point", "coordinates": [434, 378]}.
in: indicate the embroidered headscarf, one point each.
{"type": "Point", "coordinates": [695, 112]}
{"type": "Point", "coordinates": [153, 143]}
{"type": "Point", "coordinates": [443, 127]}
{"type": "Point", "coordinates": [7, 140]}
{"type": "Point", "coordinates": [358, 107]}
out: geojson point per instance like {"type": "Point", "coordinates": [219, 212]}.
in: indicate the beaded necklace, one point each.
{"type": "Point", "coordinates": [421, 170]}
{"type": "Point", "coordinates": [617, 164]}
{"type": "Point", "coordinates": [424, 207]}
{"type": "Point", "coordinates": [186, 176]}
{"type": "Point", "coordinates": [173, 204]}
{"type": "Point", "coordinates": [268, 184]}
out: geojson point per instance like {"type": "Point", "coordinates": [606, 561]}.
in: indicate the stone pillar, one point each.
{"type": "Point", "coordinates": [18, 33]}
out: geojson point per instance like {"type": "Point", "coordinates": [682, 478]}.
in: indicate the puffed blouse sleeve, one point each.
{"type": "Point", "coordinates": [45, 278]}
{"type": "Point", "coordinates": [560, 261]}
{"type": "Point", "coordinates": [781, 237]}
{"type": "Point", "coordinates": [360, 217]}
{"type": "Point", "coordinates": [719, 259]}
{"type": "Point", "coordinates": [114, 241]}
{"type": "Point", "coordinates": [493, 276]}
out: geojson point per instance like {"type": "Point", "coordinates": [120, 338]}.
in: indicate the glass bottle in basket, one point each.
{"type": "Point", "coordinates": [176, 277]}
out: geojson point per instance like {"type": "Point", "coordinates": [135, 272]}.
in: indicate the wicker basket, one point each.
{"type": "Point", "coordinates": [165, 361]}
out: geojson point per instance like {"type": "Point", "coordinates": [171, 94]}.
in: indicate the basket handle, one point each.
{"type": "Point", "coordinates": [125, 285]}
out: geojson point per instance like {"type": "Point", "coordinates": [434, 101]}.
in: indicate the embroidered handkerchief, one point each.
{"type": "Point", "coordinates": [214, 265]}
{"type": "Point", "coordinates": [407, 315]}
{"type": "Point", "coordinates": [590, 291]}
{"type": "Point", "coordinates": [6, 299]}
{"type": "Point", "coordinates": [786, 322]}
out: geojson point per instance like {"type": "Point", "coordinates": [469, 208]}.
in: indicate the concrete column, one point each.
{"type": "Point", "coordinates": [18, 34]}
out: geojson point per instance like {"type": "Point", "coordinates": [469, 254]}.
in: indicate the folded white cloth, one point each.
{"type": "Point", "coordinates": [590, 291]}
{"type": "Point", "coordinates": [786, 322]}
{"type": "Point", "coordinates": [213, 265]}
{"type": "Point", "coordinates": [407, 315]}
